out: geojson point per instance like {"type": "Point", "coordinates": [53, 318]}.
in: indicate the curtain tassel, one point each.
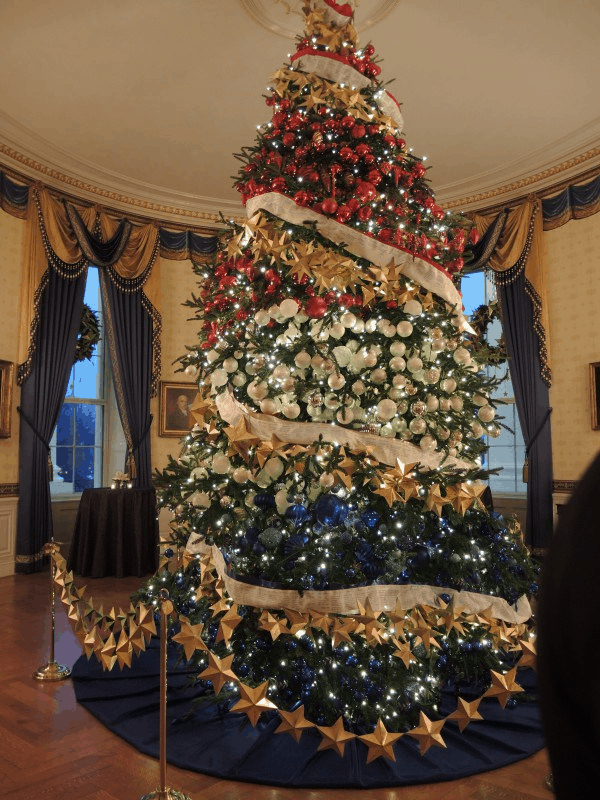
{"type": "Point", "coordinates": [50, 468]}
{"type": "Point", "coordinates": [526, 470]}
{"type": "Point", "coordinates": [131, 468]}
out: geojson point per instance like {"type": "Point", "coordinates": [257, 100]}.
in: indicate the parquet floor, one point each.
{"type": "Point", "coordinates": [52, 749]}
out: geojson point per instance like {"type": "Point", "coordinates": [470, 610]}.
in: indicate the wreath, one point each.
{"type": "Point", "coordinates": [88, 334]}
{"type": "Point", "coordinates": [482, 317]}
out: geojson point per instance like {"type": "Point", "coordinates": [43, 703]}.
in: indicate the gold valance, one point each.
{"type": "Point", "coordinates": [520, 248]}
{"type": "Point", "coordinates": [54, 240]}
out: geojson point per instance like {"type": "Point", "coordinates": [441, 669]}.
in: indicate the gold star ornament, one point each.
{"type": "Point", "coordinates": [380, 743]}
{"type": "Point", "coordinates": [253, 701]}
{"type": "Point", "coordinates": [293, 722]}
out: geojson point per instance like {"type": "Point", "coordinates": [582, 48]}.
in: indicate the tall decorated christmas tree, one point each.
{"type": "Point", "coordinates": [333, 563]}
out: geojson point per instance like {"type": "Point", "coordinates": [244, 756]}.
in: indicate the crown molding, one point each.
{"type": "Point", "coordinates": [34, 157]}
{"type": "Point", "coordinates": [538, 170]}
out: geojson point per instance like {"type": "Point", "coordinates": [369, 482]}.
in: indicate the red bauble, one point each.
{"type": "Point", "coordinates": [401, 143]}
{"type": "Point", "coordinates": [346, 300]}
{"type": "Point", "coordinates": [366, 191]}
{"type": "Point", "coordinates": [362, 149]}
{"type": "Point", "coordinates": [365, 213]}
{"type": "Point", "coordinates": [329, 298]}
{"type": "Point", "coordinates": [315, 307]}
{"type": "Point", "coordinates": [344, 213]}
{"type": "Point", "coordinates": [353, 204]}
{"type": "Point", "coordinates": [358, 131]}
{"type": "Point", "coordinates": [284, 104]}
{"type": "Point", "coordinates": [288, 139]}
{"type": "Point", "coordinates": [270, 101]}
{"type": "Point", "coordinates": [278, 184]}
{"type": "Point", "coordinates": [330, 125]}
{"type": "Point", "coordinates": [474, 236]}
{"type": "Point", "coordinates": [386, 167]}
{"type": "Point", "coordinates": [385, 235]}
{"type": "Point", "coordinates": [375, 177]}
{"type": "Point", "coordinates": [369, 50]}
{"type": "Point", "coordinates": [369, 159]}
{"type": "Point", "coordinates": [418, 170]}
{"type": "Point", "coordinates": [291, 169]}
{"type": "Point", "coordinates": [241, 315]}
{"type": "Point", "coordinates": [372, 70]}
{"type": "Point", "coordinates": [329, 206]}
{"type": "Point", "coordinates": [348, 122]}
{"type": "Point", "coordinates": [302, 198]}
{"type": "Point", "coordinates": [346, 153]}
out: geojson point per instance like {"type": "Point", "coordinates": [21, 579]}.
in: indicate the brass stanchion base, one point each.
{"type": "Point", "coordinates": [52, 672]}
{"type": "Point", "coordinates": [168, 794]}
{"type": "Point", "coordinates": [549, 781]}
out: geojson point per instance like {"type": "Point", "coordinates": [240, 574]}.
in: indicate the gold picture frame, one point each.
{"type": "Point", "coordinates": [6, 389]}
{"type": "Point", "coordinates": [174, 404]}
{"type": "Point", "coordinates": [595, 394]}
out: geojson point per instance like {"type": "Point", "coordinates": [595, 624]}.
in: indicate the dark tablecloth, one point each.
{"type": "Point", "coordinates": [116, 533]}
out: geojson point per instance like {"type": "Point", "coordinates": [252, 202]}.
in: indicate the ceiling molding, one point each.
{"type": "Point", "coordinates": [34, 157]}
{"type": "Point", "coordinates": [565, 158]}
{"type": "Point", "coordinates": [285, 18]}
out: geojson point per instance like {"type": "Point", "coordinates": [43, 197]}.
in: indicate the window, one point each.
{"type": "Point", "coordinates": [507, 452]}
{"type": "Point", "coordinates": [88, 438]}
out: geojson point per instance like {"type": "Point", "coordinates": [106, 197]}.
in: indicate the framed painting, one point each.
{"type": "Point", "coordinates": [6, 386]}
{"type": "Point", "coordinates": [174, 406]}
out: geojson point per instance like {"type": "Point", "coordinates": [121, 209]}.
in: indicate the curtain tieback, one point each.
{"type": "Point", "coordinates": [131, 465]}
{"type": "Point", "coordinates": [42, 440]}
{"type": "Point", "coordinates": [531, 443]}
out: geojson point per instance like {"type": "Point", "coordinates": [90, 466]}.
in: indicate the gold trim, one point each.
{"type": "Point", "coordinates": [115, 196]}
{"type": "Point", "coordinates": [538, 176]}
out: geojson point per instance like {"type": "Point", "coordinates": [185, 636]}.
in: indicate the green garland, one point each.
{"type": "Point", "coordinates": [482, 317]}
{"type": "Point", "coordinates": [88, 334]}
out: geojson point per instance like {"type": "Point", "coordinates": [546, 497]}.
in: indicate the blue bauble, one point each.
{"type": "Point", "coordinates": [352, 660]}
{"type": "Point", "coordinates": [243, 670]}
{"type": "Point", "coordinates": [251, 534]}
{"type": "Point", "coordinates": [441, 662]}
{"type": "Point", "coordinates": [374, 665]}
{"type": "Point", "coordinates": [330, 510]}
{"type": "Point", "coordinates": [179, 581]}
{"type": "Point", "coordinates": [370, 518]}
{"type": "Point", "coordinates": [445, 597]}
{"type": "Point", "coordinates": [258, 548]}
{"type": "Point", "coordinates": [512, 702]}
{"type": "Point", "coordinates": [264, 500]}
{"type": "Point", "coordinates": [168, 553]}
{"type": "Point", "coordinates": [297, 513]}
{"type": "Point", "coordinates": [307, 581]}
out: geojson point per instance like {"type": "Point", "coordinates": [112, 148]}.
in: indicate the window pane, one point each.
{"type": "Point", "coordinates": [87, 379]}
{"type": "Point", "coordinates": [86, 426]}
{"type": "Point", "coordinates": [65, 426]}
{"type": "Point", "coordinates": [84, 469]}
{"type": "Point", "coordinates": [63, 465]}
{"type": "Point", "coordinates": [473, 291]}
{"type": "Point", "coordinates": [504, 458]}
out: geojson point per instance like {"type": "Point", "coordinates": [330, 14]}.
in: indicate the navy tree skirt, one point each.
{"type": "Point", "coordinates": [225, 745]}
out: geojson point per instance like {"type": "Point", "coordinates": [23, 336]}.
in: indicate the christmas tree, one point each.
{"type": "Point", "coordinates": [332, 559]}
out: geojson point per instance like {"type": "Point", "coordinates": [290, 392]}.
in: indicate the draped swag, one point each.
{"type": "Point", "coordinates": [62, 239]}
{"type": "Point", "coordinates": [511, 249]}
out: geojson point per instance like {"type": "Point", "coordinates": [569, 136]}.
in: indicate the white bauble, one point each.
{"type": "Point", "coordinates": [432, 375]}
{"type": "Point", "coordinates": [413, 308]}
{"type": "Point", "coordinates": [462, 356]}
{"type": "Point", "coordinates": [386, 409]}
{"type": "Point", "coordinates": [397, 348]}
{"type": "Point", "coordinates": [302, 359]}
{"type": "Point", "coordinates": [398, 424]}
{"type": "Point", "coordinates": [262, 318]}
{"type": "Point", "coordinates": [221, 464]}
{"type": "Point", "coordinates": [480, 400]}
{"type": "Point", "coordinates": [332, 401]}
{"type": "Point", "coordinates": [414, 364]}
{"type": "Point", "coordinates": [291, 410]}
{"type": "Point", "coordinates": [477, 428]}
{"type": "Point", "coordinates": [382, 324]}
{"type": "Point", "coordinates": [317, 361]}
{"type": "Point", "coordinates": [219, 377]}
{"type": "Point", "coordinates": [342, 355]}
{"type": "Point", "coordinates": [337, 330]}
{"type": "Point", "coordinates": [486, 413]}
{"type": "Point", "coordinates": [288, 308]}
{"type": "Point", "coordinates": [345, 416]}
{"type": "Point", "coordinates": [240, 474]}
{"type": "Point", "coordinates": [390, 331]}
{"type": "Point", "coordinates": [200, 500]}
{"type": "Point", "coordinates": [439, 344]}
{"type": "Point", "coordinates": [198, 474]}
{"type": "Point", "coordinates": [257, 390]}
{"type": "Point", "coordinates": [402, 406]}
{"type": "Point", "coordinates": [250, 368]}
{"type": "Point", "coordinates": [281, 371]}
{"type": "Point", "coordinates": [327, 480]}
{"type": "Point", "coordinates": [399, 381]}
{"type": "Point", "coordinates": [359, 326]}
{"type": "Point", "coordinates": [397, 364]}
{"type": "Point", "coordinates": [378, 375]}
{"type": "Point", "coordinates": [494, 431]}
{"type": "Point", "coordinates": [358, 387]}
{"type": "Point", "coordinates": [348, 319]}
{"type": "Point", "coordinates": [191, 371]}
{"type": "Point", "coordinates": [336, 381]}
{"type": "Point", "coordinates": [230, 365]}
{"type": "Point", "coordinates": [370, 358]}
{"type": "Point", "coordinates": [386, 430]}
{"type": "Point", "coordinates": [445, 404]}
{"type": "Point", "coordinates": [371, 325]}
{"type": "Point", "coordinates": [395, 394]}
{"type": "Point", "coordinates": [212, 356]}
{"type": "Point", "coordinates": [287, 384]}
{"type": "Point", "coordinates": [268, 406]}
{"type": "Point", "coordinates": [404, 328]}
{"type": "Point", "coordinates": [239, 379]}
{"type": "Point", "coordinates": [443, 433]}
{"type": "Point", "coordinates": [357, 362]}
{"type": "Point", "coordinates": [327, 366]}
{"type": "Point", "coordinates": [457, 403]}
{"type": "Point", "coordinates": [432, 402]}
{"type": "Point", "coordinates": [274, 467]}
{"type": "Point", "coordinates": [428, 443]}
{"type": "Point", "coordinates": [448, 385]}
{"type": "Point", "coordinates": [417, 425]}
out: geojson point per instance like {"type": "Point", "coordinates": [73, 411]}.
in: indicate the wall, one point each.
{"type": "Point", "coordinates": [178, 281]}
{"type": "Point", "coordinates": [11, 243]}
{"type": "Point", "coordinates": [572, 255]}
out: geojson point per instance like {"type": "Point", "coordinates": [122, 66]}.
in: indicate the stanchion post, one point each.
{"type": "Point", "coordinates": [164, 793]}
{"type": "Point", "coordinates": [51, 671]}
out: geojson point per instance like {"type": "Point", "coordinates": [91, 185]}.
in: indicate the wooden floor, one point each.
{"type": "Point", "coordinates": [52, 749]}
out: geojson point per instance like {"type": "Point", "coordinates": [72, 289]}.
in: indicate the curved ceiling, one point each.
{"type": "Point", "coordinates": [145, 103]}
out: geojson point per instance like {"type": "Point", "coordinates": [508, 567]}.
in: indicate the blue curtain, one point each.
{"type": "Point", "coordinates": [42, 395]}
